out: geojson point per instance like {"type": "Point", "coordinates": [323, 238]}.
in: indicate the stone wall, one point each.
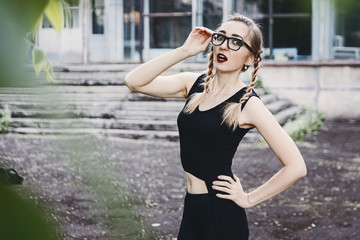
{"type": "Point", "coordinates": [333, 87]}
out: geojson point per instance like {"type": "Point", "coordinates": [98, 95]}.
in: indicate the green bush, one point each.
{"type": "Point", "coordinates": [306, 121]}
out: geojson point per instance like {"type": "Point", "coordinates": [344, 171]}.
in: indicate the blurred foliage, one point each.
{"type": "Point", "coordinates": [5, 119]}
{"type": "Point", "coordinates": [259, 84]}
{"type": "Point", "coordinates": [54, 11]}
{"type": "Point", "coordinates": [21, 220]}
{"type": "Point", "coordinates": [95, 169]}
{"type": "Point", "coordinates": [17, 18]}
{"type": "Point", "coordinates": [306, 121]}
{"type": "Point", "coordinates": [41, 62]}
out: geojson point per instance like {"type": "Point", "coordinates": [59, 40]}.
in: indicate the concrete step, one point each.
{"type": "Point", "coordinates": [137, 122]}
{"type": "Point", "coordinates": [134, 124]}
{"type": "Point", "coordinates": [123, 133]}
{"type": "Point", "coordinates": [287, 114]}
{"type": "Point", "coordinates": [279, 105]}
{"type": "Point", "coordinates": [104, 113]}
{"type": "Point", "coordinates": [100, 105]}
{"type": "Point", "coordinates": [89, 78]}
{"type": "Point", "coordinates": [65, 89]}
{"type": "Point", "coordinates": [93, 99]}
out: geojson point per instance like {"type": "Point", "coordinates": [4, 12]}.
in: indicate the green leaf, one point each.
{"type": "Point", "coordinates": [49, 71]}
{"type": "Point", "coordinates": [37, 26]}
{"type": "Point", "coordinates": [54, 13]}
{"type": "Point", "coordinates": [38, 57]}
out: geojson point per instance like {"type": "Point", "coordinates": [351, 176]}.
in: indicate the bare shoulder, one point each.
{"type": "Point", "coordinates": [256, 113]}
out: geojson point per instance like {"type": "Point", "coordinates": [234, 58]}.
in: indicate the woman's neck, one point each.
{"type": "Point", "coordinates": [226, 82]}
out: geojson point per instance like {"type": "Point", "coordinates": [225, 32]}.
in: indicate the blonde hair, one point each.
{"type": "Point", "coordinates": [232, 110]}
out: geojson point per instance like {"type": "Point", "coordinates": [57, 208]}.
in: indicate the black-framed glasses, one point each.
{"type": "Point", "coordinates": [233, 43]}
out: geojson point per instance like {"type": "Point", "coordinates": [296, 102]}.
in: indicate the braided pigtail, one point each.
{"type": "Point", "coordinates": [196, 98]}
{"type": "Point", "coordinates": [253, 77]}
{"type": "Point", "coordinates": [233, 110]}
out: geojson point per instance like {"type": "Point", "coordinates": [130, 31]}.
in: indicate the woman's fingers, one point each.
{"type": "Point", "coordinates": [226, 178]}
{"type": "Point", "coordinates": [222, 189]}
{"type": "Point", "coordinates": [198, 40]}
{"type": "Point", "coordinates": [233, 189]}
{"type": "Point", "coordinates": [236, 178]}
{"type": "Point", "coordinates": [204, 30]}
{"type": "Point", "coordinates": [222, 183]}
{"type": "Point", "coordinates": [224, 196]}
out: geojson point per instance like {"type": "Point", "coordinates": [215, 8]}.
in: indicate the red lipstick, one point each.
{"type": "Point", "coordinates": [221, 58]}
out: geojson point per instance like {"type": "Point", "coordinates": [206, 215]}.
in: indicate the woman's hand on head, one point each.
{"type": "Point", "coordinates": [197, 41]}
{"type": "Point", "coordinates": [233, 190]}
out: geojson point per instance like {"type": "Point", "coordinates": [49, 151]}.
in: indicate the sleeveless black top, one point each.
{"type": "Point", "coordinates": [207, 148]}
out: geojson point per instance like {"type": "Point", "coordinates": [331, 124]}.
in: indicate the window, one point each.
{"type": "Point", "coordinates": [347, 30]}
{"type": "Point", "coordinates": [72, 21]}
{"type": "Point", "coordinates": [98, 16]}
{"type": "Point", "coordinates": [169, 32]}
{"type": "Point", "coordinates": [132, 21]}
{"type": "Point", "coordinates": [212, 13]}
{"type": "Point", "coordinates": [170, 23]}
{"type": "Point", "coordinates": [286, 26]}
{"type": "Point", "coordinates": [71, 15]}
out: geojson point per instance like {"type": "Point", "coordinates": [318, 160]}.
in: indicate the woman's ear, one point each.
{"type": "Point", "coordinates": [250, 60]}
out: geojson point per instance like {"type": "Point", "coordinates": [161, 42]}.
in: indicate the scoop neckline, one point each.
{"type": "Point", "coordinates": [198, 107]}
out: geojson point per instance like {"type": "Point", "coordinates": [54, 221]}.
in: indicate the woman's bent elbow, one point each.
{"type": "Point", "coordinates": [129, 84]}
{"type": "Point", "coordinates": [302, 171]}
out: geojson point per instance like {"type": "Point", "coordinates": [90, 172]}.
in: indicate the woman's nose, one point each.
{"type": "Point", "coordinates": [224, 45]}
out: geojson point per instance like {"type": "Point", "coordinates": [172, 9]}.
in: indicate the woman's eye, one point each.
{"type": "Point", "coordinates": [237, 42]}
{"type": "Point", "coordinates": [220, 38]}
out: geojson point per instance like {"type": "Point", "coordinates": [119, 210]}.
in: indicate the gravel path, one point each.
{"type": "Point", "coordinates": [111, 188]}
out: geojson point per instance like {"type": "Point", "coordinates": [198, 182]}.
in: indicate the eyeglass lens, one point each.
{"type": "Point", "coordinates": [233, 43]}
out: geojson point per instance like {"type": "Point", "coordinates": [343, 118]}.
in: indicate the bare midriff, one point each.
{"type": "Point", "coordinates": [195, 185]}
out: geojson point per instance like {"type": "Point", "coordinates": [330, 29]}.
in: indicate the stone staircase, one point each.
{"type": "Point", "coordinates": [94, 99]}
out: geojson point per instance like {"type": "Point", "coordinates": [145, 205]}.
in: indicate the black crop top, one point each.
{"type": "Point", "coordinates": [207, 148]}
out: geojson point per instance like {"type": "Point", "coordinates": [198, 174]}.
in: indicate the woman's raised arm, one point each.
{"type": "Point", "coordinates": [145, 78]}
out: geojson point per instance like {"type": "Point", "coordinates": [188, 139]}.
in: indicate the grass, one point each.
{"type": "Point", "coordinates": [5, 119]}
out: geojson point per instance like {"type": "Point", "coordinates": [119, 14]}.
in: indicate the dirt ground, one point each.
{"type": "Point", "coordinates": [146, 176]}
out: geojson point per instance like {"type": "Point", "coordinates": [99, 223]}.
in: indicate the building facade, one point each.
{"type": "Point", "coordinates": [138, 30]}
{"type": "Point", "coordinates": [312, 47]}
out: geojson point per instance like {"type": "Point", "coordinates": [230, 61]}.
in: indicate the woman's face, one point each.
{"type": "Point", "coordinates": [226, 59]}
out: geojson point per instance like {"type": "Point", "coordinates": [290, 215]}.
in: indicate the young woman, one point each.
{"type": "Point", "coordinates": [220, 109]}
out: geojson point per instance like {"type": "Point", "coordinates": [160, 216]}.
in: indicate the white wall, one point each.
{"type": "Point", "coordinates": [332, 87]}
{"type": "Point", "coordinates": [64, 47]}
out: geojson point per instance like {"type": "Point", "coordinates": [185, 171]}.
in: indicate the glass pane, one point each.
{"type": "Point", "coordinates": [73, 2]}
{"type": "Point", "coordinates": [46, 23]}
{"type": "Point", "coordinates": [347, 26]}
{"type": "Point", "coordinates": [161, 6]}
{"type": "Point", "coordinates": [98, 16]}
{"type": "Point", "coordinates": [293, 33]}
{"type": "Point", "coordinates": [254, 8]}
{"type": "Point", "coordinates": [131, 29]}
{"type": "Point", "coordinates": [264, 27]}
{"type": "Point", "coordinates": [73, 22]}
{"type": "Point", "coordinates": [212, 13]}
{"type": "Point", "coordinates": [169, 32]}
{"type": "Point", "coordinates": [292, 6]}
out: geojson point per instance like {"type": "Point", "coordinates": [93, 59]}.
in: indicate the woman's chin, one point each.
{"type": "Point", "coordinates": [221, 67]}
